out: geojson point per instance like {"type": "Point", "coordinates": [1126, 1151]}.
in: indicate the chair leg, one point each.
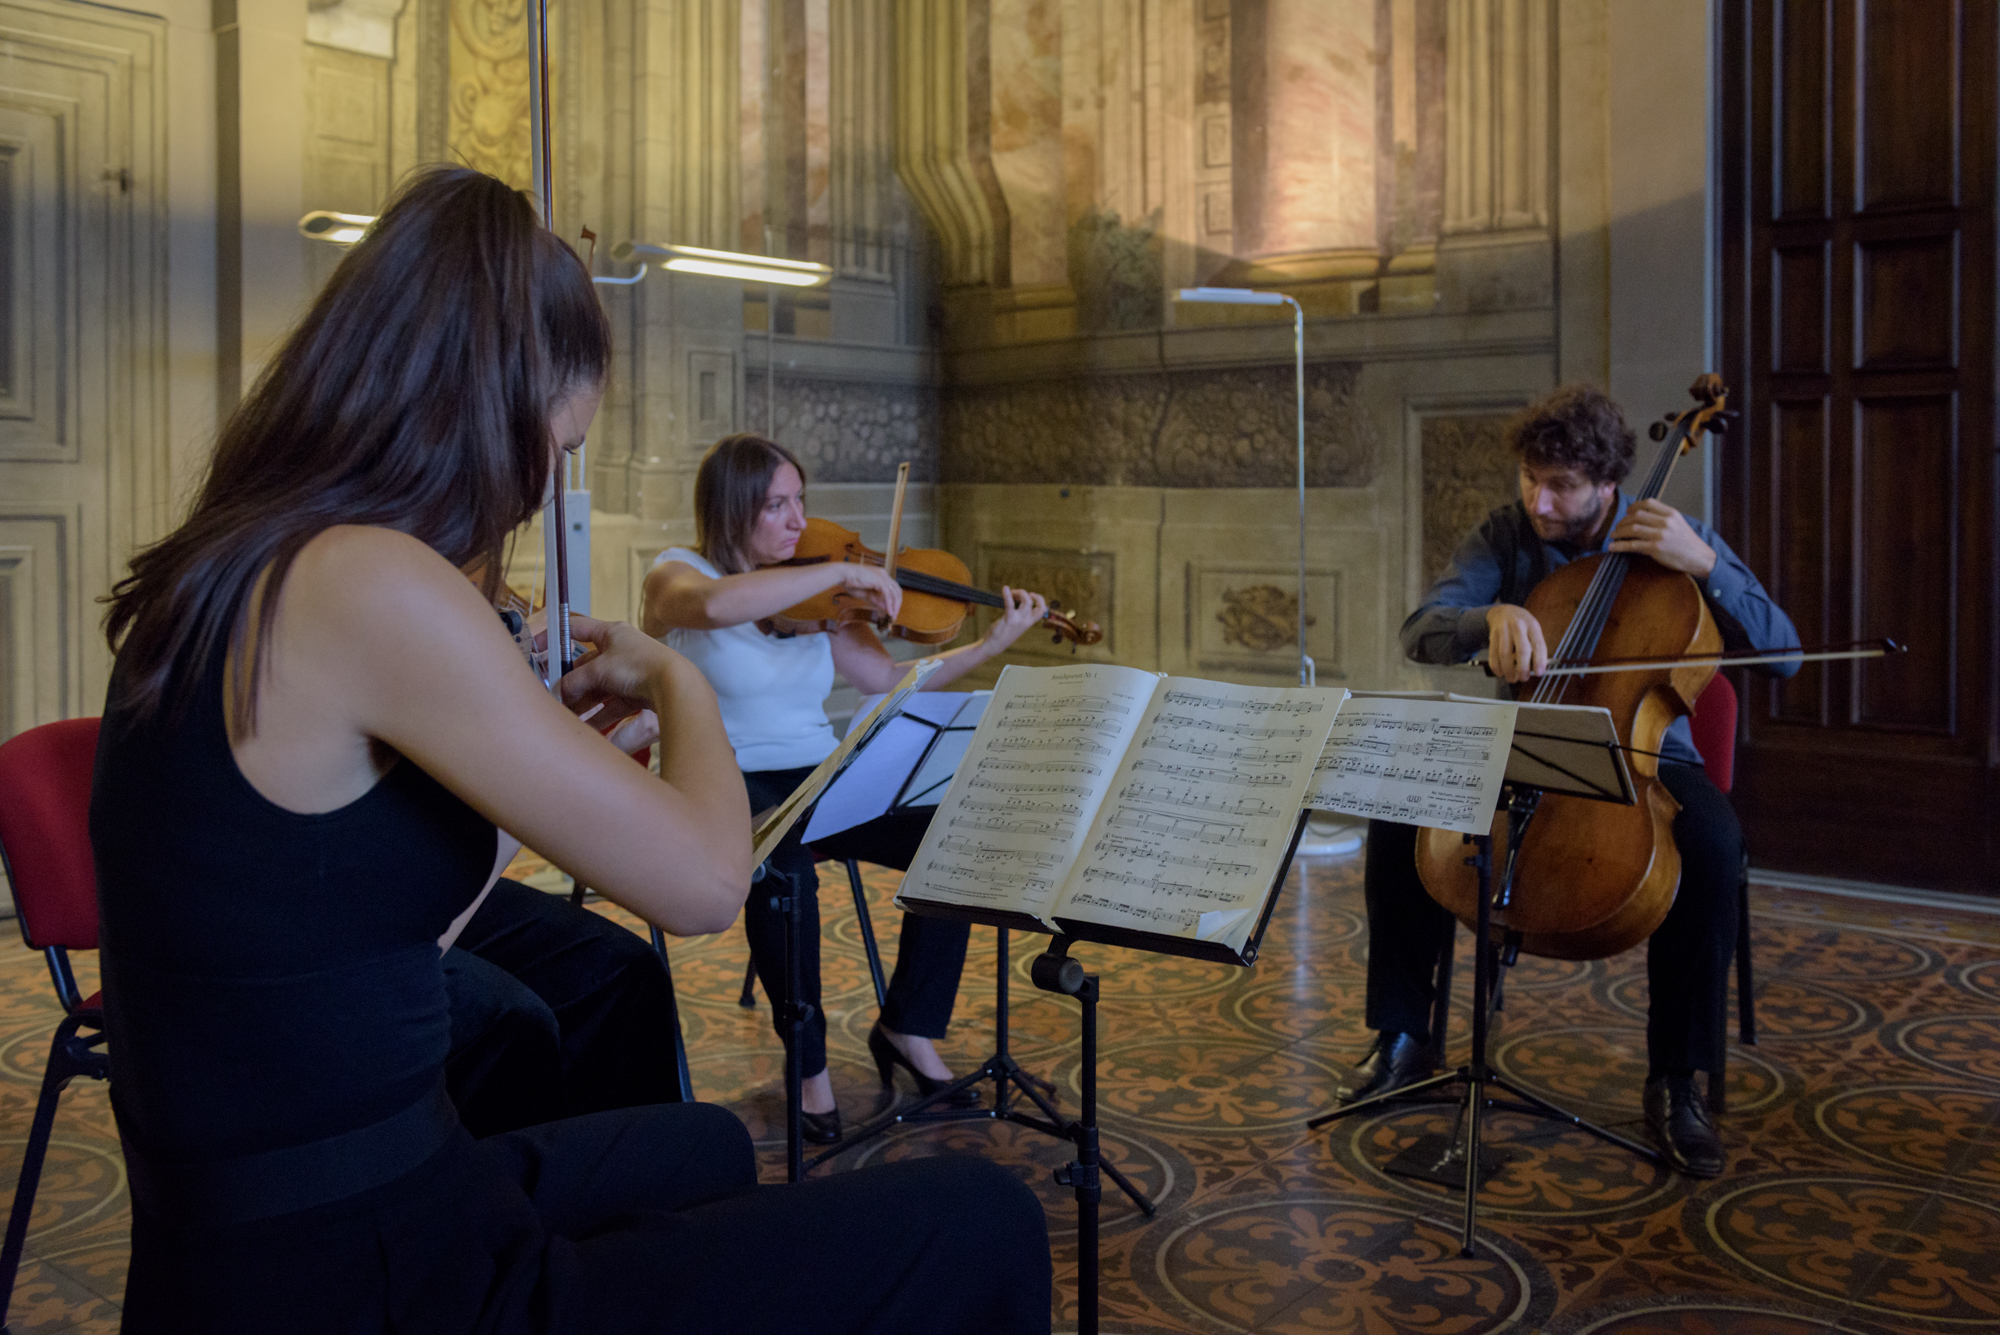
{"type": "Point", "coordinates": [681, 1073]}
{"type": "Point", "coordinates": [1441, 997]}
{"type": "Point", "coordinates": [55, 1078]}
{"type": "Point", "coordinates": [1746, 983]}
{"type": "Point", "coordinates": [748, 1001]}
{"type": "Point", "coordinates": [867, 933]}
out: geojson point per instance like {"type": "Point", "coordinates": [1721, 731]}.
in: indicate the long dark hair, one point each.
{"type": "Point", "coordinates": [729, 492]}
{"type": "Point", "coordinates": [414, 395]}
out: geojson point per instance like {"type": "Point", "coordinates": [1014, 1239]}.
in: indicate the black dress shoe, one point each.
{"type": "Point", "coordinates": [1677, 1114]}
{"type": "Point", "coordinates": [819, 1128]}
{"type": "Point", "coordinates": [1396, 1061]}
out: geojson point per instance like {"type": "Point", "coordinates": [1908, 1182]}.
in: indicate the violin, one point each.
{"type": "Point", "coordinates": [1597, 878]}
{"type": "Point", "coordinates": [936, 595]}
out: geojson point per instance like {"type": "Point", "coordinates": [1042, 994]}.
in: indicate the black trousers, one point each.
{"type": "Point", "coordinates": [555, 1012]}
{"type": "Point", "coordinates": [1687, 960]}
{"type": "Point", "coordinates": [929, 958]}
{"type": "Point", "coordinates": [641, 1220]}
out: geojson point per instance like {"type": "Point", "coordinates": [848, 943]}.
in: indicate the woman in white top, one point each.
{"type": "Point", "coordinates": [749, 513]}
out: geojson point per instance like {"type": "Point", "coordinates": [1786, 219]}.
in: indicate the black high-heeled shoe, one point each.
{"type": "Point", "coordinates": [888, 1057]}
{"type": "Point", "coordinates": [819, 1128]}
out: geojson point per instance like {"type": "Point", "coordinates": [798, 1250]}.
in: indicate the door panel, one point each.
{"type": "Point", "coordinates": [82, 432]}
{"type": "Point", "coordinates": [1857, 143]}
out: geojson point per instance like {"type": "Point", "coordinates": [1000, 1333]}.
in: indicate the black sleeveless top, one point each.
{"type": "Point", "coordinates": [271, 980]}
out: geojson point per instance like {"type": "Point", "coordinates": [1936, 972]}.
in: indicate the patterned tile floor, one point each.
{"type": "Point", "coordinates": [1863, 1190]}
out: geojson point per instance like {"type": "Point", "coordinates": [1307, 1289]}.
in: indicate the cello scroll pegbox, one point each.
{"type": "Point", "coordinates": [1707, 388]}
{"type": "Point", "coordinates": [1658, 430]}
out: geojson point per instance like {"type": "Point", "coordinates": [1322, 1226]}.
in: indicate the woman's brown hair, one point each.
{"type": "Point", "coordinates": [414, 395]}
{"type": "Point", "coordinates": [729, 492]}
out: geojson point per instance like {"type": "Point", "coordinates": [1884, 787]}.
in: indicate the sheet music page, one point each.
{"type": "Point", "coordinates": [1202, 810]}
{"type": "Point", "coordinates": [1420, 758]}
{"type": "Point", "coordinates": [1038, 766]}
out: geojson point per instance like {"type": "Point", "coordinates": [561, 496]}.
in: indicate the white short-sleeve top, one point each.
{"type": "Point", "coordinates": [772, 691]}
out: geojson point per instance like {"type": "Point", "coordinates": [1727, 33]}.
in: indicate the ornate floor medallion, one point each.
{"type": "Point", "coordinates": [1893, 1250]}
{"type": "Point", "coordinates": [1340, 1265]}
{"type": "Point", "coordinates": [1930, 1130]}
{"type": "Point", "coordinates": [1958, 1045]}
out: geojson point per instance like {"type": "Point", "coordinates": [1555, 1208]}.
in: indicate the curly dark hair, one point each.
{"type": "Point", "coordinates": [1574, 427]}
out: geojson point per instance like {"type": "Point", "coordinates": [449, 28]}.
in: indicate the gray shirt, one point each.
{"type": "Point", "coordinates": [1504, 558]}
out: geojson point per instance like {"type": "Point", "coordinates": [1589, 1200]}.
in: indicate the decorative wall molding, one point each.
{"type": "Point", "coordinates": [38, 597]}
{"type": "Point", "coordinates": [1198, 428]}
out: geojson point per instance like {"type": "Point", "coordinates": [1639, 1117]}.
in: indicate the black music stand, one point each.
{"type": "Point", "coordinates": [1054, 971]}
{"type": "Point", "coordinates": [1567, 753]}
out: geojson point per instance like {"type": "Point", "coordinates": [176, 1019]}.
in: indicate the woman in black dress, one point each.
{"type": "Point", "coordinates": [315, 725]}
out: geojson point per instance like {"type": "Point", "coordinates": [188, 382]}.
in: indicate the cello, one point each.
{"type": "Point", "coordinates": [1597, 878]}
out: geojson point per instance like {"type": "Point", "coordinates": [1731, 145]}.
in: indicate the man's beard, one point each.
{"type": "Point", "coordinates": [1571, 532]}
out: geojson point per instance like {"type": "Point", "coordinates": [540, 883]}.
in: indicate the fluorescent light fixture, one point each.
{"type": "Point", "coordinates": [1232, 296]}
{"type": "Point", "coordinates": [342, 229]}
{"type": "Point", "coordinates": [728, 264]}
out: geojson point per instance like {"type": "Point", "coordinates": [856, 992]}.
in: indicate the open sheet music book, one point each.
{"type": "Point", "coordinates": [1113, 804]}
{"type": "Point", "coordinates": [1428, 758]}
{"type": "Point", "coordinates": [776, 823]}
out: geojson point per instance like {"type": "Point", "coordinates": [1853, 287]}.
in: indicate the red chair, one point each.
{"type": "Point", "coordinates": [1713, 726]}
{"type": "Point", "coordinates": [45, 849]}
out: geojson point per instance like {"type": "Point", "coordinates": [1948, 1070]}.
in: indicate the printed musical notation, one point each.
{"type": "Point", "coordinates": [1120, 797]}
{"type": "Point", "coordinates": [1416, 759]}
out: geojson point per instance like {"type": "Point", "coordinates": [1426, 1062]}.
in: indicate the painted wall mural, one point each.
{"type": "Point", "coordinates": [850, 430]}
{"type": "Point", "coordinates": [489, 88]}
{"type": "Point", "coordinates": [1466, 472]}
{"type": "Point", "coordinates": [1216, 428]}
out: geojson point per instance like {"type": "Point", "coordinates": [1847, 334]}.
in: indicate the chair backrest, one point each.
{"type": "Point", "coordinates": [45, 832]}
{"type": "Point", "coordinates": [1714, 729]}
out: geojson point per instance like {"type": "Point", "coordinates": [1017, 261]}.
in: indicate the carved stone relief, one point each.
{"type": "Point", "coordinates": [1260, 617]}
{"type": "Point", "coordinates": [489, 88]}
{"type": "Point", "coordinates": [1080, 583]}
{"type": "Point", "coordinates": [1466, 472]}
{"type": "Point", "coordinates": [1220, 428]}
{"type": "Point", "coordinates": [850, 430]}
{"type": "Point", "coordinates": [1244, 618]}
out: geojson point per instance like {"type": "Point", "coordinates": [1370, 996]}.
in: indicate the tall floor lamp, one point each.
{"type": "Point", "coordinates": [1339, 837]}
{"type": "Point", "coordinates": [1243, 296]}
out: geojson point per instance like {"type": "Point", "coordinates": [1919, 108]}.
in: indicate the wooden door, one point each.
{"type": "Point", "coordinates": [1857, 326]}
{"type": "Point", "coordinates": [82, 438]}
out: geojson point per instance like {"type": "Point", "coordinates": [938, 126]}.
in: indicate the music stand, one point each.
{"type": "Point", "coordinates": [915, 758]}
{"type": "Point", "coordinates": [1568, 749]}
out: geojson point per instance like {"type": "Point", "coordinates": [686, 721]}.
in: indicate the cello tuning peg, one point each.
{"type": "Point", "coordinates": [1658, 431]}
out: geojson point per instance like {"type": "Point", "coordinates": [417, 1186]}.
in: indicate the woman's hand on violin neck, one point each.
{"type": "Point", "coordinates": [1654, 528]}
{"type": "Point", "coordinates": [1515, 647]}
{"type": "Point", "coordinates": [1024, 612]}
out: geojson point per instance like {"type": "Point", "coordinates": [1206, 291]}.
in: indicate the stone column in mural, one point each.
{"type": "Point", "coordinates": [1495, 252]}
{"type": "Point", "coordinates": [862, 150]}
{"type": "Point", "coordinates": [944, 154]}
{"type": "Point", "coordinates": [1303, 124]}
{"type": "Point", "coordinates": [685, 332]}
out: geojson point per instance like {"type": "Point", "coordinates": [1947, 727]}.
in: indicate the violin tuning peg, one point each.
{"type": "Point", "coordinates": [1658, 431]}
